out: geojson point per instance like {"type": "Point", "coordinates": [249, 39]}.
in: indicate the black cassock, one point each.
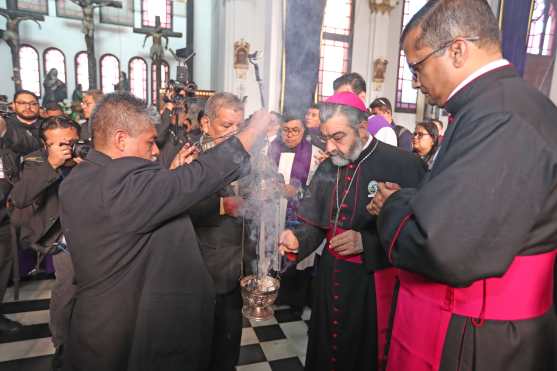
{"type": "Point", "coordinates": [476, 241]}
{"type": "Point", "coordinates": [343, 326]}
{"type": "Point", "coordinates": [144, 296]}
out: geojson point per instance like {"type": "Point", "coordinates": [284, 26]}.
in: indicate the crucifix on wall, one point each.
{"type": "Point", "coordinates": [156, 52]}
{"type": "Point", "coordinates": [11, 36]}
{"type": "Point", "coordinates": [88, 28]}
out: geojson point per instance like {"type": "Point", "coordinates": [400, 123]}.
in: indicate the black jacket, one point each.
{"type": "Point", "coordinates": [220, 239]}
{"type": "Point", "coordinates": [144, 298]}
{"type": "Point", "coordinates": [16, 142]}
{"type": "Point", "coordinates": [35, 200]}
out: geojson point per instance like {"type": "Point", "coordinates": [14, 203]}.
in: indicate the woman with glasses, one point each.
{"type": "Point", "coordinates": [425, 142]}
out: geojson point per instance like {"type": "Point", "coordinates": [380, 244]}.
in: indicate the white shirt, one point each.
{"type": "Point", "coordinates": [482, 70]}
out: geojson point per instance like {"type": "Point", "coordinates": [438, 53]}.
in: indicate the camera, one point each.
{"type": "Point", "coordinates": [80, 148]}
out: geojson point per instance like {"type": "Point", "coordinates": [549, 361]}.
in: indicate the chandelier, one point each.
{"type": "Point", "coordinates": [382, 6]}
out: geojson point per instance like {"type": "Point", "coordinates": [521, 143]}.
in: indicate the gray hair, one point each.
{"type": "Point", "coordinates": [222, 100]}
{"type": "Point", "coordinates": [354, 116]}
{"type": "Point", "coordinates": [444, 20]}
{"type": "Point", "coordinates": [120, 111]}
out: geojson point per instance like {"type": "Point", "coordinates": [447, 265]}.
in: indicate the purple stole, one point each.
{"type": "Point", "coordinates": [300, 166]}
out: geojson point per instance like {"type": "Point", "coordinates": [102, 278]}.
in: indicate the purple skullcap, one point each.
{"type": "Point", "coordinates": [376, 123]}
{"type": "Point", "coordinates": [347, 99]}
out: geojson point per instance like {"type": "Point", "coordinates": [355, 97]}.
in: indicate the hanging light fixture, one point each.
{"type": "Point", "coordinates": [382, 6]}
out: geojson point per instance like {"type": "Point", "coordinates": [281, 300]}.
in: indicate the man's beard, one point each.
{"type": "Point", "coordinates": [28, 117]}
{"type": "Point", "coordinates": [340, 159]}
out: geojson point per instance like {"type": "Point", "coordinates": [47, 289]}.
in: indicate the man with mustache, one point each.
{"type": "Point", "coordinates": [348, 322]}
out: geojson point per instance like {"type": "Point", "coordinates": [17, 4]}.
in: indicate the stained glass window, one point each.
{"type": "Point", "coordinates": [165, 69]}
{"type": "Point", "coordinates": [137, 72]}
{"type": "Point", "coordinates": [110, 72]}
{"type": "Point", "coordinates": [406, 95]}
{"type": "Point", "coordinates": [54, 58]}
{"type": "Point", "coordinates": [150, 9]}
{"type": "Point", "coordinates": [82, 70]}
{"type": "Point", "coordinates": [336, 44]}
{"type": "Point", "coordinates": [29, 69]}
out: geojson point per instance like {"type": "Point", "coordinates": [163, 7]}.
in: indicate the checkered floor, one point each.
{"type": "Point", "coordinates": [274, 345]}
{"type": "Point", "coordinates": [277, 344]}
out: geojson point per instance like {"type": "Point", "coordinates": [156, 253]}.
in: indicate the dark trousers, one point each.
{"type": "Point", "coordinates": [6, 259]}
{"type": "Point", "coordinates": [227, 331]}
{"type": "Point", "coordinates": [61, 298]}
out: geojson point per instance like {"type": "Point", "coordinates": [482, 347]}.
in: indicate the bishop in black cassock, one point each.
{"type": "Point", "coordinates": [348, 323]}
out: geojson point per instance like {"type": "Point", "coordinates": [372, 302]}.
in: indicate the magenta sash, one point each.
{"type": "Point", "coordinates": [424, 308]}
{"type": "Point", "coordinates": [384, 286]}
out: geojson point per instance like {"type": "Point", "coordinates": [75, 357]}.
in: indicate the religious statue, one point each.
{"type": "Point", "coordinates": [11, 36]}
{"type": "Point", "coordinates": [88, 7]}
{"type": "Point", "coordinates": [156, 52]}
{"type": "Point", "coordinates": [123, 85]}
{"type": "Point", "coordinates": [379, 70]}
{"type": "Point", "coordinates": [88, 28]}
{"type": "Point", "coordinates": [241, 53]}
{"type": "Point", "coordinates": [77, 95]}
{"type": "Point", "coordinates": [54, 88]}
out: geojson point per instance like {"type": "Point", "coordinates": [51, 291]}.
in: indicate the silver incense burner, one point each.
{"type": "Point", "coordinates": [259, 294]}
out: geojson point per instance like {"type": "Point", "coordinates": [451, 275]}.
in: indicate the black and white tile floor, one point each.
{"type": "Point", "coordinates": [278, 344]}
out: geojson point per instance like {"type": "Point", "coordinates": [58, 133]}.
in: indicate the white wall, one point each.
{"type": "Point", "coordinates": [258, 22]}
{"type": "Point", "coordinates": [65, 34]}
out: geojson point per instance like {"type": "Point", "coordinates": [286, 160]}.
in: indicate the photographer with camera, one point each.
{"type": "Point", "coordinates": [174, 132]}
{"type": "Point", "coordinates": [36, 211]}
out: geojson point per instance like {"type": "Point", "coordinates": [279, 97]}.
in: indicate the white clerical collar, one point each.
{"type": "Point", "coordinates": [482, 70]}
{"type": "Point", "coordinates": [369, 139]}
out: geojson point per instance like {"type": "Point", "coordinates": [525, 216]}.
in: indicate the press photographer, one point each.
{"type": "Point", "coordinates": [175, 129]}
{"type": "Point", "coordinates": [36, 212]}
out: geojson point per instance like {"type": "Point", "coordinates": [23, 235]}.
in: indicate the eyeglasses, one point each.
{"type": "Point", "coordinates": [414, 66]}
{"type": "Point", "coordinates": [28, 104]}
{"type": "Point", "coordinates": [336, 137]}
{"type": "Point", "coordinates": [419, 135]}
{"type": "Point", "coordinates": [294, 131]}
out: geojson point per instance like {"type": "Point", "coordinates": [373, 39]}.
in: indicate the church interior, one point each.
{"type": "Point", "coordinates": [277, 55]}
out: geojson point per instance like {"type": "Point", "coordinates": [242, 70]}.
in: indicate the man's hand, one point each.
{"type": "Point", "coordinates": [385, 190]}
{"type": "Point", "coordinates": [290, 191]}
{"type": "Point", "coordinates": [185, 156]}
{"type": "Point", "coordinates": [58, 154]}
{"type": "Point", "coordinates": [232, 205]}
{"type": "Point", "coordinates": [257, 127]}
{"type": "Point", "coordinates": [288, 243]}
{"type": "Point", "coordinates": [347, 243]}
{"type": "Point", "coordinates": [319, 157]}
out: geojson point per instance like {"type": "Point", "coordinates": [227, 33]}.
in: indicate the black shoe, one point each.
{"type": "Point", "coordinates": [57, 359]}
{"type": "Point", "coordinates": [7, 325]}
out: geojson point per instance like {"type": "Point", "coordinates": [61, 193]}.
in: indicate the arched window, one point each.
{"type": "Point", "coordinates": [82, 70]}
{"type": "Point", "coordinates": [542, 29]}
{"type": "Point", "coordinates": [406, 95]}
{"type": "Point", "coordinates": [165, 69]}
{"type": "Point", "coordinates": [29, 69]}
{"type": "Point", "coordinates": [110, 72]}
{"type": "Point", "coordinates": [35, 6]}
{"type": "Point", "coordinates": [336, 44]}
{"type": "Point", "coordinates": [150, 9]}
{"type": "Point", "coordinates": [54, 58]}
{"type": "Point", "coordinates": [137, 72]}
